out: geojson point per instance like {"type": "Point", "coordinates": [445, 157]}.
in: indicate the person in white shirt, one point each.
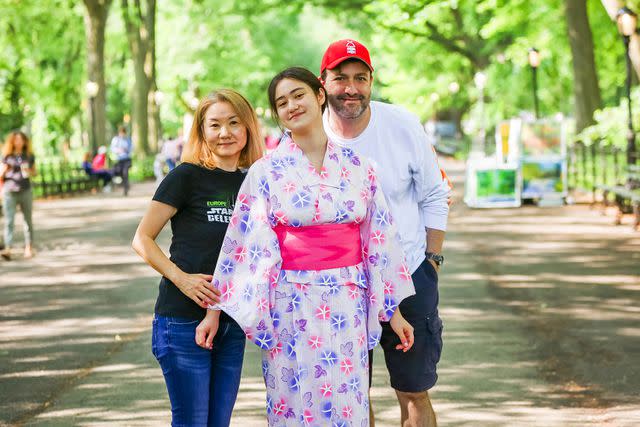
{"type": "Point", "coordinates": [122, 149]}
{"type": "Point", "coordinates": [417, 195]}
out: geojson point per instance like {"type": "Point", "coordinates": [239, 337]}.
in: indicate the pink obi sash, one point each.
{"type": "Point", "coordinates": [319, 247]}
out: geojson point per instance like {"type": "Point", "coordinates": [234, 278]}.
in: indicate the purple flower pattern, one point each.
{"type": "Point", "coordinates": [315, 326]}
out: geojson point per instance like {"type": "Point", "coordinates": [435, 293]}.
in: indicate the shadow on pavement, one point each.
{"type": "Point", "coordinates": [540, 309]}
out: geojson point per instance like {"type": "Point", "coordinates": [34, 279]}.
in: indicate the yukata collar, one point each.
{"type": "Point", "coordinates": [329, 175]}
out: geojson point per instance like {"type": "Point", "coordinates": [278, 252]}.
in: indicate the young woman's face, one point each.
{"type": "Point", "coordinates": [297, 105]}
{"type": "Point", "coordinates": [18, 143]}
{"type": "Point", "coordinates": [224, 133]}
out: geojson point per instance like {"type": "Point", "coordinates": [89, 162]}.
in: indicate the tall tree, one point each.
{"type": "Point", "coordinates": [38, 44]}
{"type": "Point", "coordinates": [585, 86]}
{"type": "Point", "coordinates": [455, 39]}
{"type": "Point", "coordinates": [97, 12]}
{"type": "Point", "coordinates": [140, 21]}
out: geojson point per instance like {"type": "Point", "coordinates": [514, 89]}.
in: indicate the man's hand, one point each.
{"type": "Point", "coordinates": [403, 330]}
{"type": "Point", "coordinates": [198, 287]}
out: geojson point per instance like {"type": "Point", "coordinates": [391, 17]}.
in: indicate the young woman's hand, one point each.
{"type": "Point", "coordinates": [403, 329]}
{"type": "Point", "coordinates": [207, 329]}
{"type": "Point", "coordinates": [198, 287]}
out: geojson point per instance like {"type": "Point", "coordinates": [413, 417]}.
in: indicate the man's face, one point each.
{"type": "Point", "coordinates": [349, 89]}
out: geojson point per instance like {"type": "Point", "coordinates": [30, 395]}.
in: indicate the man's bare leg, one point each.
{"type": "Point", "coordinates": [416, 409]}
{"type": "Point", "coordinates": [372, 419]}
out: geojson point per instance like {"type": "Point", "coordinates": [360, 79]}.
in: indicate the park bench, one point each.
{"type": "Point", "coordinates": [59, 178]}
{"type": "Point", "coordinates": [626, 196]}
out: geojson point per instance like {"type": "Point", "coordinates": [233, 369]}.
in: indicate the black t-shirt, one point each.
{"type": "Point", "coordinates": [205, 199]}
{"type": "Point", "coordinates": [15, 178]}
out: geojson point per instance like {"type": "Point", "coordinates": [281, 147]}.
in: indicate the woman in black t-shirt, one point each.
{"type": "Point", "coordinates": [16, 168]}
{"type": "Point", "coordinates": [198, 198]}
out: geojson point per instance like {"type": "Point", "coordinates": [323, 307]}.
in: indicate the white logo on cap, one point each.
{"type": "Point", "coordinates": [351, 48]}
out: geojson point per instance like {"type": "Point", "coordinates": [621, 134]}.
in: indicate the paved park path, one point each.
{"type": "Point", "coordinates": [541, 309]}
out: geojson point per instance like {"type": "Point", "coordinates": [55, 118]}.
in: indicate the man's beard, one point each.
{"type": "Point", "coordinates": [348, 112]}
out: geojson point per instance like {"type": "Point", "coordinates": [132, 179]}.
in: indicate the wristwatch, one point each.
{"type": "Point", "coordinates": [437, 258]}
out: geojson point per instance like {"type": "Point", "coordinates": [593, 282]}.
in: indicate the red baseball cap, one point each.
{"type": "Point", "coordinates": [340, 51]}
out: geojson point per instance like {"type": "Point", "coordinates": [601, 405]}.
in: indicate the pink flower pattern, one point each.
{"type": "Point", "coordinates": [315, 327]}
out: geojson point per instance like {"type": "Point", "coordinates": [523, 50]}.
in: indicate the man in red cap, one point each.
{"type": "Point", "coordinates": [409, 174]}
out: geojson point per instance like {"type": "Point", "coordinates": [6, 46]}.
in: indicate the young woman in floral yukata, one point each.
{"type": "Point", "coordinates": [310, 265]}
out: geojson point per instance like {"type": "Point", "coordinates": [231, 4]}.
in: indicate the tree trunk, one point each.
{"type": "Point", "coordinates": [139, 121]}
{"type": "Point", "coordinates": [585, 86]}
{"type": "Point", "coordinates": [140, 28]}
{"type": "Point", "coordinates": [95, 21]}
{"type": "Point", "coordinates": [155, 125]}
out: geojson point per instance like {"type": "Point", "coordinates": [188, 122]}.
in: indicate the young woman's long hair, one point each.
{"type": "Point", "coordinates": [9, 146]}
{"type": "Point", "coordinates": [196, 150]}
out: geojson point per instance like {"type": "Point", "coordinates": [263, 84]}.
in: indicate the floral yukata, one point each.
{"type": "Point", "coordinates": [315, 327]}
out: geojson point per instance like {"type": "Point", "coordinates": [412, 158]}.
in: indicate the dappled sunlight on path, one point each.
{"type": "Point", "coordinates": [540, 309]}
{"type": "Point", "coordinates": [75, 305]}
{"type": "Point", "coordinates": [549, 297]}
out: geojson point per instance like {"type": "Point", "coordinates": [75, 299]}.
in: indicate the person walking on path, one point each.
{"type": "Point", "coordinates": [18, 165]}
{"type": "Point", "coordinates": [417, 195]}
{"type": "Point", "coordinates": [198, 198]}
{"type": "Point", "coordinates": [122, 149]}
{"type": "Point", "coordinates": [311, 263]}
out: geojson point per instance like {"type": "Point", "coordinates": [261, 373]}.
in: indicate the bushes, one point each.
{"type": "Point", "coordinates": [141, 168]}
{"type": "Point", "coordinates": [610, 128]}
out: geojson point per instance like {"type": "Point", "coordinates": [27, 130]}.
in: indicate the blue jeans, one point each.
{"type": "Point", "coordinates": [202, 384]}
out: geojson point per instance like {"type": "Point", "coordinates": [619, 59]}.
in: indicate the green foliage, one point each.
{"type": "Point", "coordinates": [226, 44]}
{"type": "Point", "coordinates": [42, 51]}
{"type": "Point", "coordinates": [439, 42]}
{"type": "Point", "coordinates": [119, 71]}
{"type": "Point", "coordinates": [610, 128]}
{"type": "Point", "coordinates": [609, 54]}
{"type": "Point", "coordinates": [141, 169]}
{"type": "Point", "coordinates": [419, 48]}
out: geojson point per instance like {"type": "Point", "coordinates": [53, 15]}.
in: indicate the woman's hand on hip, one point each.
{"type": "Point", "coordinates": [198, 287]}
{"type": "Point", "coordinates": [403, 330]}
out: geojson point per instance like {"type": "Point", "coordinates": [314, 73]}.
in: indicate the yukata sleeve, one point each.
{"type": "Point", "coordinates": [249, 263]}
{"type": "Point", "coordinates": [389, 278]}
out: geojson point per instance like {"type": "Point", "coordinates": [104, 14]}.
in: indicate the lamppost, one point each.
{"type": "Point", "coordinates": [480, 80]}
{"type": "Point", "coordinates": [627, 26]}
{"type": "Point", "coordinates": [534, 62]}
{"type": "Point", "coordinates": [92, 89]}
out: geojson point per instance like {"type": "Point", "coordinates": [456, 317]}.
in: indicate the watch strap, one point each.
{"type": "Point", "coordinates": [437, 258]}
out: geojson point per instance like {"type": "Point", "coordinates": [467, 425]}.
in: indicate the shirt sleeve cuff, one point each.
{"type": "Point", "coordinates": [437, 225]}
